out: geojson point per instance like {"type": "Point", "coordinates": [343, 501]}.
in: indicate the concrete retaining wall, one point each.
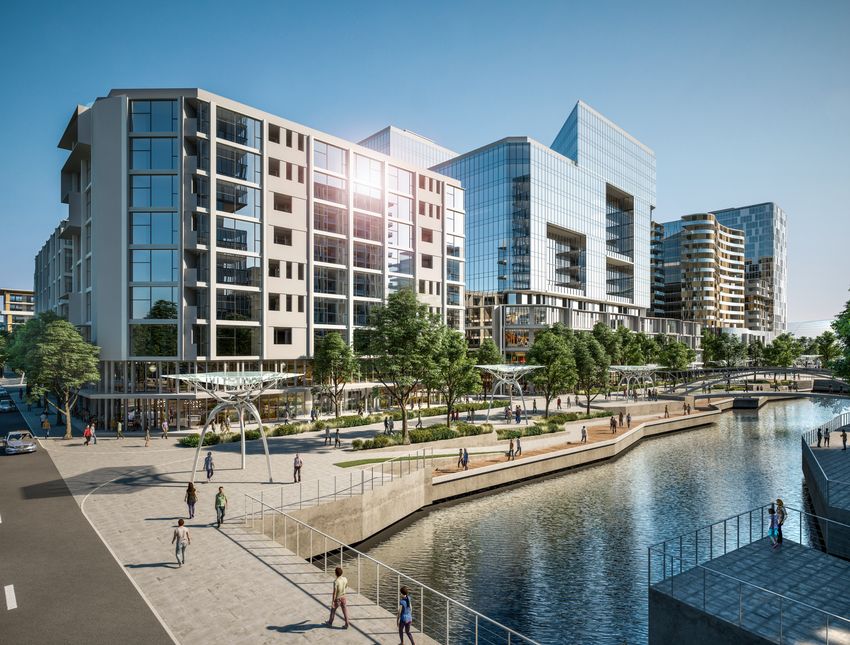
{"type": "Point", "coordinates": [672, 621]}
{"type": "Point", "coordinates": [473, 481]}
{"type": "Point", "coordinates": [835, 536]}
{"type": "Point", "coordinates": [353, 519]}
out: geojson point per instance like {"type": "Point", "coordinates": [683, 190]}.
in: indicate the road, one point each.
{"type": "Point", "coordinates": [67, 586]}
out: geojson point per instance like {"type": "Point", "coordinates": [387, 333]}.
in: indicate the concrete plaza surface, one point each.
{"type": "Point", "coordinates": [237, 585]}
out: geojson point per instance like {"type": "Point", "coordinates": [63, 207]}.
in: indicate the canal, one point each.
{"type": "Point", "coordinates": [564, 560]}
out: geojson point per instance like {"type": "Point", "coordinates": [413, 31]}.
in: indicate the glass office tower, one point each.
{"type": "Point", "coordinates": [559, 234]}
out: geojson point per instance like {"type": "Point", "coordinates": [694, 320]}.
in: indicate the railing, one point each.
{"type": "Point", "coordinates": [358, 482]}
{"type": "Point", "coordinates": [811, 435]}
{"type": "Point", "coordinates": [435, 614]}
{"type": "Point", "coordinates": [677, 568]}
{"type": "Point", "coordinates": [835, 493]}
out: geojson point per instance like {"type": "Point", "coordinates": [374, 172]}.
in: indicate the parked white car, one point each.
{"type": "Point", "coordinates": [20, 441]}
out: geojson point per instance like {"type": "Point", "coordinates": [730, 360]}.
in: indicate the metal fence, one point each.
{"type": "Point", "coordinates": [834, 492]}
{"type": "Point", "coordinates": [330, 489]}
{"type": "Point", "coordinates": [811, 436]}
{"type": "Point", "coordinates": [677, 568]}
{"type": "Point", "coordinates": [436, 615]}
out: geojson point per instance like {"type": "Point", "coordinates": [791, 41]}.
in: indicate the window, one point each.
{"type": "Point", "coordinates": [237, 305]}
{"type": "Point", "coordinates": [274, 133]}
{"type": "Point", "coordinates": [422, 286]}
{"type": "Point", "coordinates": [368, 227]}
{"type": "Point", "coordinates": [237, 341]}
{"type": "Point", "coordinates": [329, 188]}
{"type": "Point", "coordinates": [301, 304]}
{"type": "Point", "coordinates": [153, 266]}
{"type": "Point", "coordinates": [239, 128]}
{"type": "Point", "coordinates": [300, 270]}
{"type": "Point", "coordinates": [282, 236]}
{"type": "Point", "coordinates": [274, 167]}
{"type": "Point", "coordinates": [289, 171]}
{"type": "Point", "coordinates": [274, 268]}
{"type": "Point", "coordinates": [329, 219]}
{"type": "Point", "coordinates": [367, 170]}
{"type": "Point", "coordinates": [454, 246]}
{"type": "Point", "coordinates": [329, 157]}
{"type": "Point", "coordinates": [301, 140]}
{"type": "Point", "coordinates": [422, 208]}
{"type": "Point", "coordinates": [368, 285]}
{"type": "Point", "coordinates": [282, 335]}
{"type": "Point", "coordinates": [153, 340]}
{"type": "Point", "coordinates": [153, 303]}
{"type": "Point", "coordinates": [427, 262]}
{"type": "Point", "coordinates": [153, 228]}
{"type": "Point", "coordinates": [362, 311]}
{"type": "Point", "coordinates": [238, 234]}
{"type": "Point", "coordinates": [400, 235]}
{"type": "Point", "coordinates": [289, 138]}
{"type": "Point", "coordinates": [397, 284]}
{"type": "Point", "coordinates": [453, 271]}
{"type": "Point", "coordinates": [238, 270]}
{"type": "Point", "coordinates": [401, 181]}
{"type": "Point", "coordinates": [153, 154]}
{"type": "Point", "coordinates": [422, 180]}
{"type": "Point", "coordinates": [238, 164]}
{"type": "Point", "coordinates": [368, 256]}
{"type": "Point", "coordinates": [274, 302]}
{"type": "Point", "coordinates": [331, 281]}
{"type": "Point", "coordinates": [238, 199]}
{"type": "Point", "coordinates": [400, 207]}
{"type": "Point", "coordinates": [427, 235]}
{"type": "Point", "coordinates": [282, 203]}
{"type": "Point", "coordinates": [153, 116]}
{"type": "Point", "coordinates": [200, 188]}
{"type": "Point", "coordinates": [368, 199]}
{"type": "Point", "coordinates": [158, 191]}
{"type": "Point", "coordinates": [452, 295]}
{"type": "Point", "coordinates": [329, 249]}
{"type": "Point", "coordinates": [289, 270]}
{"type": "Point", "coordinates": [328, 311]}
{"type": "Point", "coordinates": [300, 174]}
{"type": "Point", "coordinates": [400, 261]}
{"type": "Point", "coordinates": [454, 198]}
{"type": "Point", "coordinates": [288, 302]}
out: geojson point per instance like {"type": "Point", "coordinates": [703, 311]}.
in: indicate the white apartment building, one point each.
{"type": "Point", "coordinates": [208, 235]}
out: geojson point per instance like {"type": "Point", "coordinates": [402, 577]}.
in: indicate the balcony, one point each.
{"type": "Point", "coordinates": [74, 223]}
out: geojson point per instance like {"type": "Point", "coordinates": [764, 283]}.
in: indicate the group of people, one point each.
{"type": "Point", "coordinates": [823, 437]}
{"type": "Point", "coordinates": [181, 538]}
{"type": "Point", "coordinates": [339, 600]}
{"type": "Point", "coordinates": [462, 459]}
{"type": "Point", "coordinates": [514, 449]}
{"type": "Point", "coordinates": [777, 515]}
{"type": "Point", "coordinates": [517, 414]}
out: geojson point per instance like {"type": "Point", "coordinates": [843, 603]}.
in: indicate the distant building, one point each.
{"type": "Point", "coordinates": [16, 308]}
{"type": "Point", "coordinates": [54, 272]}
{"type": "Point", "coordinates": [408, 147]}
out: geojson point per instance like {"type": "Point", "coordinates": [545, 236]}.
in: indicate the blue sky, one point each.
{"type": "Point", "coordinates": [743, 102]}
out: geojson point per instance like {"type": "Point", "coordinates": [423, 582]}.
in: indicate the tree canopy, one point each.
{"type": "Point", "coordinates": [334, 365]}
{"type": "Point", "coordinates": [554, 353]}
{"type": "Point", "coordinates": [592, 365]}
{"type": "Point", "coordinates": [56, 361]}
{"type": "Point", "coordinates": [453, 373]}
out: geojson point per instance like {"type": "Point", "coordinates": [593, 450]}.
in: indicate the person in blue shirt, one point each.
{"type": "Point", "coordinates": [405, 616]}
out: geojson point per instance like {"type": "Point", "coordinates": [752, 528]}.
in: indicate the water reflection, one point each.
{"type": "Point", "coordinates": [564, 560]}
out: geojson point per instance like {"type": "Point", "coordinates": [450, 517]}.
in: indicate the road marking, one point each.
{"type": "Point", "coordinates": [11, 601]}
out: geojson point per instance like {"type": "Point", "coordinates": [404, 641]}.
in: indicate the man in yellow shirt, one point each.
{"type": "Point", "coordinates": [338, 599]}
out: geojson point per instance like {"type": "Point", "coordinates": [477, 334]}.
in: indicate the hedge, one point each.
{"type": "Point", "coordinates": [438, 432]}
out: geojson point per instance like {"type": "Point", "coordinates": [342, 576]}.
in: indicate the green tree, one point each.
{"type": "Point", "coordinates": [402, 345]}
{"type": "Point", "coordinates": [4, 349]}
{"type": "Point", "coordinates": [782, 352]}
{"type": "Point", "coordinates": [558, 371]}
{"type": "Point", "coordinates": [56, 361]}
{"type": "Point", "coordinates": [827, 347]}
{"type": "Point", "coordinates": [488, 354]}
{"type": "Point", "coordinates": [592, 365]}
{"type": "Point", "coordinates": [755, 352]}
{"type": "Point", "coordinates": [453, 372]}
{"type": "Point", "coordinates": [722, 349]}
{"type": "Point", "coordinates": [334, 366]}
{"type": "Point", "coordinates": [674, 354]}
{"type": "Point", "coordinates": [610, 341]}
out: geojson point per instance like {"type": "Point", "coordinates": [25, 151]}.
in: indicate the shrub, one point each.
{"type": "Point", "coordinates": [191, 440]}
{"type": "Point", "coordinates": [357, 444]}
{"type": "Point", "coordinates": [320, 425]}
{"type": "Point", "coordinates": [509, 434]}
{"type": "Point", "coordinates": [250, 435]}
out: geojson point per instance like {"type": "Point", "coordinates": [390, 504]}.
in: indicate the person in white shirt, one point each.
{"type": "Point", "coordinates": [181, 537]}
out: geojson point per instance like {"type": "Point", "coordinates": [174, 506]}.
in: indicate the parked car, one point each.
{"type": "Point", "coordinates": [20, 441]}
{"type": "Point", "coordinates": [6, 405]}
{"type": "Point", "coordinates": [3, 391]}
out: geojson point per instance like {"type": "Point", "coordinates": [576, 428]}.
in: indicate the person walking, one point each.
{"type": "Point", "coordinates": [327, 435]}
{"type": "Point", "coordinates": [781, 516]}
{"type": "Point", "coordinates": [629, 420]}
{"type": "Point", "coordinates": [87, 435]}
{"type": "Point", "coordinates": [45, 426]}
{"type": "Point", "coordinates": [386, 425]}
{"type": "Point", "coordinates": [507, 414]}
{"type": "Point", "coordinates": [459, 458]}
{"type": "Point", "coordinates": [418, 419]}
{"type": "Point", "coordinates": [181, 537]}
{"type": "Point", "coordinates": [773, 529]}
{"type": "Point", "coordinates": [94, 432]}
{"type": "Point", "coordinates": [518, 452]}
{"type": "Point", "coordinates": [338, 599]}
{"type": "Point", "coordinates": [613, 424]}
{"type": "Point", "coordinates": [820, 436]}
{"type": "Point", "coordinates": [119, 430]}
{"type": "Point", "coordinates": [220, 506]}
{"type": "Point", "coordinates": [337, 442]}
{"type": "Point", "coordinates": [517, 414]}
{"type": "Point", "coordinates": [296, 466]}
{"type": "Point", "coordinates": [208, 465]}
{"type": "Point", "coordinates": [404, 616]}
{"type": "Point", "coordinates": [584, 434]}
{"type": "Point", "coordinates": [465, 459]}
{"type": "Point", "coordinates": [844, 438]}
{"type": "Point", "coordinates": [826, 433]}
{"type": "Point", "coordinates": [559, 403]}
{"type": "Point", "coordinates": [191, 499]}
{"type": "Point", "coordinates": [511, 450]}
{"type": "Point", "coordinates": [147, 435]}
{"type": "Point", "coordinates": [621, 418]}
{"type": "Point", "coordinates": [392, 425]}
{"type": "Point", "coordinates": [164, 427]}
{"type": "Point", "coordinates": [534, 406]}
{"type": "Point", "coordinates": [666, 412]}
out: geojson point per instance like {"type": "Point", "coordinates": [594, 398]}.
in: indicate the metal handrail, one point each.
{"type": "Point", "coordinates": [342, 546]}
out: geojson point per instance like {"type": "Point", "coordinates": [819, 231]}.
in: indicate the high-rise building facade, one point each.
{"type": "Point", "coordinates": [54, 272]}
{"type": "Point", "coordinates": [16, 308]}
{"type": "Point", "coordinates": [408, 147]}
{"type": "Point", "coordinates": [209, 235]}
{"type": "Point", "coordinates": [560, 234]}
{"type": "Point", "coordinates": [765, 228]}
{"type": "Point", "coordinates": [764, 231]}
